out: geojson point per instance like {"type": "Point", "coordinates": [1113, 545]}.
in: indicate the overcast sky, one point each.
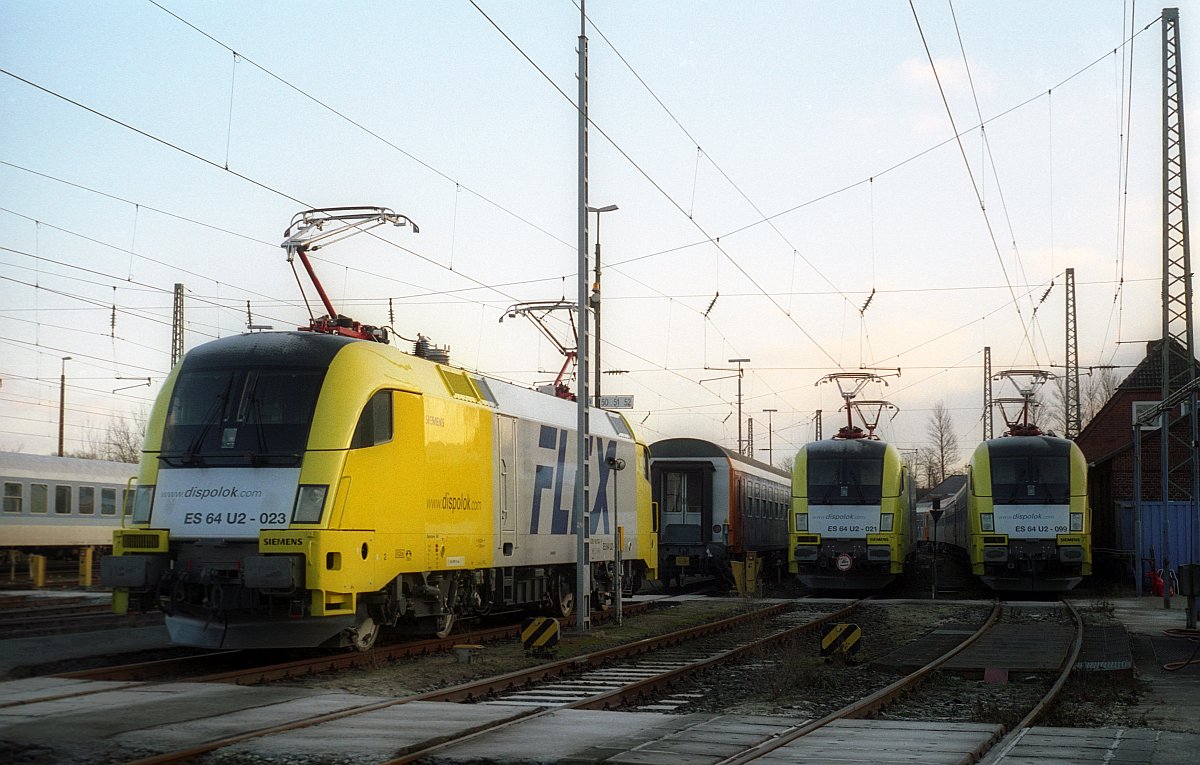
{"type": "Point", "coordinates": [794, 157]}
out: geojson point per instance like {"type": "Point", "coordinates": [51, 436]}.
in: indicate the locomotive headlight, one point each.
{"type": "Point", "coordinates": [1076, 521]}
{"type": "Point", "coordinates": [801, 521]}
{"type": "Point", "coordinates": [885, 521]}
{"type": "Point", "coordinates": [987, 522]}
{"type": "Point", "coordinates": [143, 501]}
{"type": "Point", "coordinates": [310, 502]}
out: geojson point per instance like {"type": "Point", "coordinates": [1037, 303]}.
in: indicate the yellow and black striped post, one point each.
{"type": "Point", "coordinates": [843, 638]}
{"type": "Point", "coordinates": [539, 635]}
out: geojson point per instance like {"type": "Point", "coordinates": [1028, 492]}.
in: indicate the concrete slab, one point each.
{"type": "Point", "coordinates": [1105, 649]}
{"type": "Point", "coordinates": [891, 741]}
{"type": "Point", "coordinates": [183, 735]}
{"type": "Point", "coordinates": [40, 688]}
{"type": "Point", "coordinates": [1015, 647]}
{"type": "Point", "coordinates": [571, 736]}
{"type": "Point", "coordinates": [1040, 746]}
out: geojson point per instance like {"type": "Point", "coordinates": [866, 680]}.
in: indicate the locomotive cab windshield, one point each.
{"type": "Point", "coordinates": [1032, 473]}
{"type": "Point", "coordinates": [240, 415]}
{"type": "Point", "coordinates": [842, 478]}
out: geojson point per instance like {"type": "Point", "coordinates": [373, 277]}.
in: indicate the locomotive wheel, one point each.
{"type": "Point", "coordinates": [362, 637]}
{"type": "Point", "coordinates": [443, 625]}
{"type": "Point", "coordinates": [564, 597]}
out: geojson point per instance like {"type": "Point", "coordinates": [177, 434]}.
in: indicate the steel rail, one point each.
{"type": "Point", "coordinates": [465, 691]}
{"type": "Point", "coordinates": [144, 673]}
{"type": "Point", "coordinates": [642, 688]}
{"type": "Point", "coordinates": [1006, 744]}
{"type": "Point", "coordinates": [301, 667]}
{"type": "Point", "coordinates": [625, 693]}
{"type": "Point", "coordinates": [542, 672]}
{"type": "Point", "coordinates": [862, 707]}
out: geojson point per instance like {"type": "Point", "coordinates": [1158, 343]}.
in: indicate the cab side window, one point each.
{"type": "Point", "coordinates": [375, 423]}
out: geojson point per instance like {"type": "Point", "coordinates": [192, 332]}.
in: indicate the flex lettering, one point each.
{"type": "Point", "coordinates": [600, 506]}
{"type": "Point", "coordinates": [556, 441]}
{"type": "Point", "coordinates": [553, 476]}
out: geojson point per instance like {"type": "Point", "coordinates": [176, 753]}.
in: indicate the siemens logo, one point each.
{"type": "Point", "coordinates": [282, 542]}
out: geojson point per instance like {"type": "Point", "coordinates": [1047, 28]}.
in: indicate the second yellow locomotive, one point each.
{"type": "Point", "coordinates": [851, 524]}
{"type": "Point", "coordinates": [1028, 524]}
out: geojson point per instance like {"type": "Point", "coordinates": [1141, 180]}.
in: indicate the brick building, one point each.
{"type": "Point", "coordinates": [1107, 443]}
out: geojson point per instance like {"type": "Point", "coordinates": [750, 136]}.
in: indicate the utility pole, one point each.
{"type": "Point", "coordinates": [596, 291]}
{"type": "Point", "coordinates": [739, 362]}
{"type": "Point", "coordinates": [583, 578]}
{"type": "Point", "coordinates": [770, 436]}
{"type": "Point", "coordinates": [817, 419]}
{"type": "Point", "coordinates": [62, 402]}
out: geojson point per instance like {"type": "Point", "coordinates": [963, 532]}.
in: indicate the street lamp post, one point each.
{"type": "Point", "coordinates": [62, 401]}
{"type": "Point", "coordinates": [770, 437]}
{"type": "Point", "coordinates": [595, 300]}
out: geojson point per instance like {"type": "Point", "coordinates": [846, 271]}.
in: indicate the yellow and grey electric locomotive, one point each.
{"type": "Point", "coordinates": [308, 488]}
{"type": "Point", "coordinates": [1029, 525]}
{"type": "Point", "coordinates": [851, 525]}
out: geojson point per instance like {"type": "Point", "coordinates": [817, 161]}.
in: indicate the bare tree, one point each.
{"type": "Point", "coordinates": [1095, 389]}
{"type": "Point", "coordinates": [786, 464]}
{"type": "Point", "coordinates": [121, 440]}
{"type": "Point", "coordinates": [943, 443]}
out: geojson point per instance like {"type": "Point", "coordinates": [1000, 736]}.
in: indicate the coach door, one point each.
{"type": "Point", "coordinates": [506, 481]}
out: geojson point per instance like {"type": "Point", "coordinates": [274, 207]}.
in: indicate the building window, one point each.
{"type": "Point", "coordinates": [1142, 406]}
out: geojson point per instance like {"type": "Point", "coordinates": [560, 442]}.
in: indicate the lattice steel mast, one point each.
{"type": "Point", "coordinates": [1178, 347]}
{"type": "Point", "coordinates": [1074, 414]}
{"type": "Point", "coordinates": [177, 326]}
{"type": "Point", "coordinates": [989, 431]}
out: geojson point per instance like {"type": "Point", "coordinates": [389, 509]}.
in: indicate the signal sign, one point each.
{"type": "Point", "coordinates": [539, 635]}
{"type": "Point", "coordinates": [844, 638]}
{"type": "Point", "coordinates": [616, 402]}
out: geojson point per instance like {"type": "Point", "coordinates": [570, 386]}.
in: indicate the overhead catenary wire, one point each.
{"type": "Point", "coordinates": [658, 187]}
{"type": "Point", "coordinates": [971, 176]}
{"type": "Point", "coordinates": [480, 288]}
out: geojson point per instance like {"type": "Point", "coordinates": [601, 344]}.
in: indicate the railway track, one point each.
{"type": "Point", "coordinates": [598, 695]}
{"type": "Point", "coordinates": [872, 704]}
{"type": "Point", "coordinates": [248, 668]}
{"type": "Point", "coordinates": [29, 616]}
{"type": "Point", "coordinates": [639, 676]}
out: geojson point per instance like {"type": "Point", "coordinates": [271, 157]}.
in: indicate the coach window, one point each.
{"type": "Point", "coordinates": [13, 497]}
{"type": "Point", "coordinates": [108, 501]}
{"type": "Point", "coordinates": [87, 500]}
{"type": "Point", "coordinates": [375, 423]}
{"type": "Point", "coordinates": [62, 499]}
{"type": "Point", "coordinates": [38, 497]}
